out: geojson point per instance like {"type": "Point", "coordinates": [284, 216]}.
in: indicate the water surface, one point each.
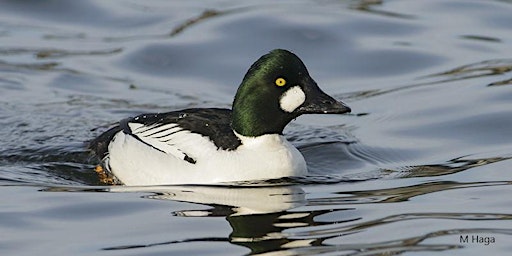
{"type": "Point", "coordinates": [420, 167]}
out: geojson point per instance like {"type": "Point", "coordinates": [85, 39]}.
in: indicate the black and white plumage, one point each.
{"type": "Point", "coordinates": [206, 146]}
{"type": "Point", "coordinates": [158, 130]}
{"type": "Point", "coordinates": [186, 146]}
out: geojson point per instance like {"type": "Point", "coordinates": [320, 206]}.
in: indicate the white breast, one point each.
{"type": "Point", "coordinates": [258, 158]}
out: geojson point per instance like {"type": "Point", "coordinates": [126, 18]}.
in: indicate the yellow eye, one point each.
{"type": "Point", "coordinates": [280, 82]}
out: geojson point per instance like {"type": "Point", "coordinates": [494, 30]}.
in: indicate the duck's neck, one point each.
{"type": "Point", "coordinates": [253, 123]}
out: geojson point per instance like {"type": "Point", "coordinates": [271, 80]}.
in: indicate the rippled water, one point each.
{"type": "Point", "coordinates": [421, 167]}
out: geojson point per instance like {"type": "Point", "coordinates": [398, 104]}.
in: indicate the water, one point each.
{"type": "Point", "coordinates": [421, 166]}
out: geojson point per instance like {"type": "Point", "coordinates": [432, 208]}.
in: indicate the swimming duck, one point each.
{"type": "Point", "coordinates": [215, 145]}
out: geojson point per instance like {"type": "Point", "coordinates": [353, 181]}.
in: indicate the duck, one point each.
{"type": "Point", "coordinates": [220, 145]}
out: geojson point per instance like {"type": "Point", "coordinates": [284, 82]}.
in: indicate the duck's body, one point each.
{"type": "Point", "coordinates": [206, 146]}
{"type": "Point", "coordinates": [194, 146]}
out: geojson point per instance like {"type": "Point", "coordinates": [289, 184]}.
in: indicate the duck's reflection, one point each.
{"type": "Point", "coordinates": [257, 215]}
{"type": "Point", "coordinates": [239, 200]}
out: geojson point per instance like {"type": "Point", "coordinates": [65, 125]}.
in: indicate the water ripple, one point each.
{"type": "Point", "coordinates": [398, 194]}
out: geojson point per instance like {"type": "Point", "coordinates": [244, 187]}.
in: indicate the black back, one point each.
{"type": "Point", "coordinates": [214, 123]}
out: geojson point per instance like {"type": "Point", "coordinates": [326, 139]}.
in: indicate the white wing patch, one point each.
{"type": "Point", "coordinates": [163, 137]}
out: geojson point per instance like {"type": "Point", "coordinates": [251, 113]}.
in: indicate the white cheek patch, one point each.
{"type": "Point", "coordinates": [292, 99]}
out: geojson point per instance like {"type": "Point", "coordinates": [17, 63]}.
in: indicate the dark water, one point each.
{"type": "Point", "coordinates": [421, 167]}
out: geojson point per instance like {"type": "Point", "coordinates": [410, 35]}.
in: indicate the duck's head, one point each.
{"type": "Point", "coordinates": [276, 89]}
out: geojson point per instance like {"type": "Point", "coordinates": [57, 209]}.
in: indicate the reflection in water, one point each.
{"type": "Point", "coordinates": [369, 7]}
{"type": "Point", "coordinates": [398, 194]}
{"type": "Point", "coordinates": [396, 247]}
{"type": "Point", "coordinates": [63, 73]}
{"type": "Point", "coordinates": [257, 215]}
{"type": "Point", "coordinates": [470, 71]}
{"type": "Point", "coordinates": [204, 16]}
{"type": "Point", "coordinates": [482, 38]}
{"type": "Point", "coordinates": [31, 66]}
{"type": "Point", "coordinates": [56, 66]}
{"type": "Point", "coordinates": [55, 53]}
{"type": "Point", "coordinates": [479, 69]}
{"type": "Point", "coordinates": [453, 166]}
{"type": "Point", "coordinates": [280, 219]}
{"type": "Point", "coordinates": [241, 200]}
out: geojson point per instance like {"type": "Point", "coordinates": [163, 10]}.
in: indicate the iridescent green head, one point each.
{"type": "Point", "coordinates": [276, 89]}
